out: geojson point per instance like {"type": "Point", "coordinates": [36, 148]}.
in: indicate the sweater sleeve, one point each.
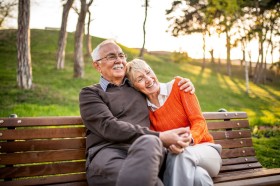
{"type": "Point", "coordinates": [192, 108]}
{"type": "Point", "coordinates": [100, 121]}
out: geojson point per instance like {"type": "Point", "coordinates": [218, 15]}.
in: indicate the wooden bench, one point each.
{"type": "Point", "coordinates": [51, 150]}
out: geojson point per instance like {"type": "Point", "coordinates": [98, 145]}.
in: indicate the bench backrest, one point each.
{"type": "Point", "coordinates": [52, 149]}
{"type": "Point", "coordinates": [232, 131]}
{"type": "Point", "coordinates": [46, 149]}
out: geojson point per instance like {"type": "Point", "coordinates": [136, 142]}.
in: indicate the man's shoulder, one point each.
{"type": "Point", "coordinates": [94, 87]}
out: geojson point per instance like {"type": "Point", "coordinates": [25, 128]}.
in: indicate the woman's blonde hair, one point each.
{"type": "Point", "coordinates": [133, 66]}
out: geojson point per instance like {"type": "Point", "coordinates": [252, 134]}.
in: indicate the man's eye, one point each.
{"type": "Point", "coordinates": [121, 55]}
{"type": "Point", "coordinates": [111, 57]}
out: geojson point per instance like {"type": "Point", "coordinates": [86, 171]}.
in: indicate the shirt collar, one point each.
{"type": "Point", "coordinates": [162, 93]}
{"type": "Point", "coordinates": [163, 89]}
{"type": "Point", "coordinates": [104, 83]}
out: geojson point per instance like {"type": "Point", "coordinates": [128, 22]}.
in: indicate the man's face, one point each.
{"type": "Point", "coordinates": [112, 66]}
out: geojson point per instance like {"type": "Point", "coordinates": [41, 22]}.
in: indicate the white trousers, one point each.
{"type": "Point", "coordinates": [195, 166]}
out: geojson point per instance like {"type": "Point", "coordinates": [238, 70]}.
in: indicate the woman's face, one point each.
{"type": "Point", "coordinates": [146, 81]}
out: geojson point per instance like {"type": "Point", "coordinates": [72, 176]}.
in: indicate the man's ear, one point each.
{"type": "Point", "coordinates": [96, 66]}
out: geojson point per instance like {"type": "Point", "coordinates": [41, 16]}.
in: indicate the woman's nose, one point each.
{"type": "Point", "coordinates": [148, 79]}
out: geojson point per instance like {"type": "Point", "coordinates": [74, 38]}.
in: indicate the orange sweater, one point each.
{"type": "Point", "coordinates": [181, 110]}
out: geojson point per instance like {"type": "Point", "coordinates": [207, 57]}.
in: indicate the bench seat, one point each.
{"type": "Point", "coordinates": [51, 151]}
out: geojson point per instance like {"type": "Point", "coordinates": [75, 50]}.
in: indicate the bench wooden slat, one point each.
{"type": "Point", "coordinates": [265, 181]}
{"type": "Point", "coordinates": [223, 178]}
{"type": "Point", "coordinates": [41, 121]}
{"type": "Point", "coordinates": [234, 143]}
{"type": "Point", "coordinates": [224, 115]}
{"type": "Point", "coordinates": [234, 124]}
{"type": "Point", "coordinates": [61, 179]}
{"type": "Point", "coordinates": [40, 145]}
{"type": "Point", "coordinates": [231, 134]}
{"type": "Point", "coordinates": [238, 152]}
{"type": "Point", "coordinates": [239, 160]}
{"type": "Point", "coordinates": [43, 156]}
{"type": "Point", "coordinates": [240, 166]}
{"type": "Point", "coordinates": [72, 184]}
{"type": "Point", "coordinates": [41, 170]}
{"type": "Point", "coordinates": [43, 133]}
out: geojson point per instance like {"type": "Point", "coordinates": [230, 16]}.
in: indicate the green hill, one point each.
{"type": "Point", "coordinates": [55, 92]}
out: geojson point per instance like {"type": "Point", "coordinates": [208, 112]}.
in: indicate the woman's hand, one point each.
{"type": "Point", "coordinates": [181, 145]}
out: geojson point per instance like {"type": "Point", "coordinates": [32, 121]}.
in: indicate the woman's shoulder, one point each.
{"type": "Point", "coordinates": [177, 79]}
{"type": "Point", "coordinates": [175, 82]}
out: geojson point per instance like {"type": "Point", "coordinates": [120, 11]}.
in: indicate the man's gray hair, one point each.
{"type": "Point", "coordinates": [95, 53]}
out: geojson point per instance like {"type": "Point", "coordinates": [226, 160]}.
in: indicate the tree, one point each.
{"type": "Point", "coordinates": [180, 57]}
{"type": "Point", "coordinates": [79, 34]}
{"type": "Point", "coordinates": [88, 39]}
{"type": "Point", "coordinates": [244, 37]}
{"type": "Point", "coordinates": [24, 71]}
{"type": "Point", "coordinates": [227, 13]}
{"type": "Point", "coordinates": [187, 17]}
{"type": "Point", "coordinates": [267, 20]}
{"type": "Point", "coordinates": [63, 35]}
{"type": "Point", "coordinates": [144, 29]}
{"type": "Point", "coordinates": [6, 9]}
{"type": "Point", "coordinates": [191, 16]}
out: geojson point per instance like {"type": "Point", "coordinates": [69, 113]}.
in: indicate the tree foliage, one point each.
{"type": "Point", "coordinates": [240, 21]}
{"type": "Point", "coordinates": [6, 10]}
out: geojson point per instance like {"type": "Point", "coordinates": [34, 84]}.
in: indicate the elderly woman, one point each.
{"type": "Point", "coordinates": [171, 108]}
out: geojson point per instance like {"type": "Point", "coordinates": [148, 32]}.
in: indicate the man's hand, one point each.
{"type": "Point", "coordinates": [186, 85]}
{"type": "Point", "coordinates": [176, 137]}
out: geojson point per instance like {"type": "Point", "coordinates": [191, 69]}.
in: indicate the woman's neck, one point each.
{"type": "Point", "coordinates": [153, 98]}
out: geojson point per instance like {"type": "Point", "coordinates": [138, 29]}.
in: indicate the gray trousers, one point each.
{"type": "Point", "coordinates": [138, 166]}
{"type": "Point", "coordinates": [195, 166]}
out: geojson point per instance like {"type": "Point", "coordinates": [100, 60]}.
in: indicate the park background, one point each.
{"type": "Point", "coordinates": [54, 91]}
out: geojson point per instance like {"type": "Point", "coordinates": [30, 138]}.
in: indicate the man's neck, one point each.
{"type": "Point", "coordinates": [116, 82]}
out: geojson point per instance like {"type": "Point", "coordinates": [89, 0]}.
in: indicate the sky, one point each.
{"type": "Point", "coordinates": [122, 20]}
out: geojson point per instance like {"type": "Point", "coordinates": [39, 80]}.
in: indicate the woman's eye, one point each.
{"type": "Point", "coordinates": [139, 80]}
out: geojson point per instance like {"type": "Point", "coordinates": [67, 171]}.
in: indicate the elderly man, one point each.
{"type": "Point", "coordinates": [121, 149]}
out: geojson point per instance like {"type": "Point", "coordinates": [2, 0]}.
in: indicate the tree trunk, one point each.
{"type": "Point", "coordinates": [89, 47]}
{"type": "Point", "coordinates": [144, 29]}
{"type": "Point", "coordinates": [250, 64]}
{"type": "Point", "coordinates": [212, 56]}
{"type": "Point", "coordinates": [24, 72]}
{"type": "Point", "coordinates": [204, 50]}
{"type": "Point", "coordinates": [63, 35]}
{"type": "Point", "coordinates": [243, 57]}
{"type": "Point", "coordinates": [247, 77]}
{"type": "Point", "coordinates": [228, 53]}
{"type": "Point", "coordinates": [279, 52]}
{"type": "Point", "coordinates": [78, 53]}
{"type": "Point", "coordinates": [259, 67]}
{"type": "Point", "coordinates": [79, 34]}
